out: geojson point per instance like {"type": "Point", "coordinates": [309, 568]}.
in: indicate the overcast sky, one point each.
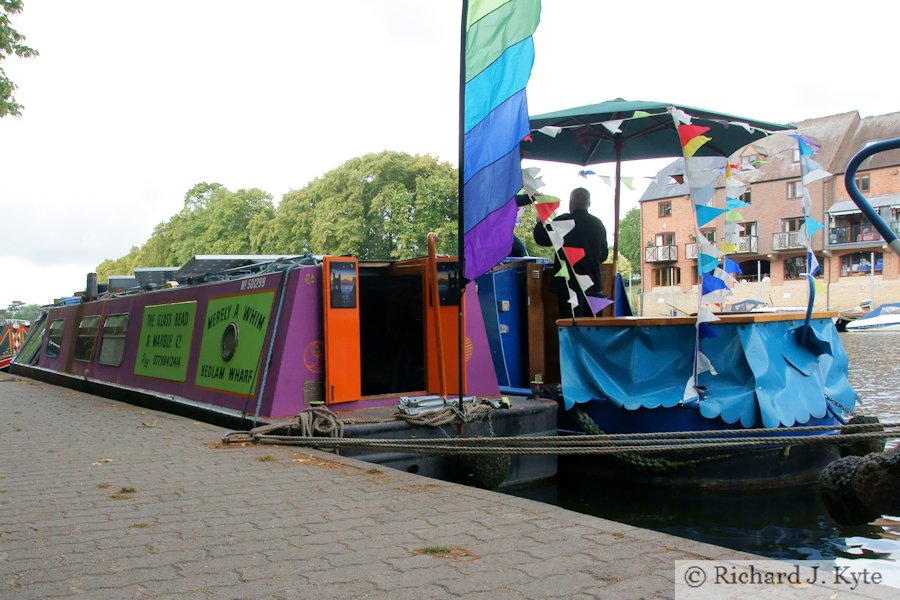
{"type": "Point", "coordinates": [131, 103]}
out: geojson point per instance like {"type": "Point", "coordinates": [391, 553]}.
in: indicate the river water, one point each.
{"type": "Point", "coordinates": [785, 524]}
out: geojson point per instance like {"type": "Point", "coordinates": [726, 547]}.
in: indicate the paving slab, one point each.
{"type": "Point", "coordinates": [101, 499]}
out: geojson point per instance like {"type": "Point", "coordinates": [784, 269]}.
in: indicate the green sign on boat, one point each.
{"type": "Point", "coordinates": [232, 343]}
{"type": "Point", "coordinates": [165, 344]}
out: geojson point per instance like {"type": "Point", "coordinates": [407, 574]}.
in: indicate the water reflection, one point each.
{"type": "Point", "coordinates": [785, 524]}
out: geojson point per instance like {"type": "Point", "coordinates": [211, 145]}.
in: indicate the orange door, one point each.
{"type": "Point", "coordinates": [441, 327]}
{"type": "Point", "coordinates": [342, 346]}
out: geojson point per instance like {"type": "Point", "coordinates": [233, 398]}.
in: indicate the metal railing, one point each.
{"type": "Point", "coordinates": [788, 240]}
{"type": "Point", "coordinates": [749, 243]}
{"type": "Point", "coordinates": [655, 254]}
{"type": "Point", "coordinates": [851, 234]}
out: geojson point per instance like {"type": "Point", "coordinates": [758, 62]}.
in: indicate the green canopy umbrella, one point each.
{"type": "Point", "coordinates": [589, 136]}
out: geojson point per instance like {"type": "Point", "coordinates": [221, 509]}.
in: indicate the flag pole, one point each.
{"type": "Point", "coordinates": [460, 220]}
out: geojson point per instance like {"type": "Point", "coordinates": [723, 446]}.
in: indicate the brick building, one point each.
{"type": "Point", "coordinates": [856, 263]}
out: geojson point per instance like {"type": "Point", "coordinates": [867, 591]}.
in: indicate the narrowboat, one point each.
{"type": "Point", "coordinates": [246, 340]}
{"type": "Point", "coordinates": [12, 335]}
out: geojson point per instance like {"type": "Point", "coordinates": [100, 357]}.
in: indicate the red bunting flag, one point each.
{"type": "Point", "coordinates": [689, 132]}
{"type": "Point", "coordinates": [573, 254]}
{"type": "Point", "coordinates": [545, 209]}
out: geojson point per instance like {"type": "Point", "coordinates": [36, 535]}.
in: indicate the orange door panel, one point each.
{"type": "Point", "coordinates": [342, 343]}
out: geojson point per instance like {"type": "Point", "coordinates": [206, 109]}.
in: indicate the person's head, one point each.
{"type": "Point", "coordinates": [579, 199]}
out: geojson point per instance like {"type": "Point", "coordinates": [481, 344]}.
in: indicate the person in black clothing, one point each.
{"type": "Point", "coordinates": [588, 234]}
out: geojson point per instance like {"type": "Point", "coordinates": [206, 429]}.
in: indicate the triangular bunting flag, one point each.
{"type": "Point", "coordinates": [681, 116]}
{"type": "Point", "coordinates": [705, 214]}
{"type": "Point", "coordinates": [812, 226]}
{"type": "Point", "coordinates": [703, 195]}
{"type": "Point", "coordinates": [550, 130]}
{"type": "Point", "coordinates": [573, 298]}
{"type": "Point", "coordinates": [628, 182]}
{"type": "Point", "coordinates": [640, 114]}
{"type": "Point", "coordinates": [704, 315]}
{"type": "Point", "coordinates": [729, 247]}
{"type": "Point", "coordinates": [563, 271]}
{"type": "Point", "coordinates": [584, 281]}
{"type": "Point", "coordinates": [707, 263]}
{"type": "Point", "coordinates": [598, 304]}
{"type": "Point", "coordinates": [705, 331]}
{"type": "Point", "coordinates": [732, 267]}
{"type": "Point", "coordinates": [573, 254]}
{"type": "Point", "coordinates": [734, 216]}
{"type": "Point", "coordinates": [733, 203]}
{"type": "Point", "coordinates": [558, 230]}
{"type": "Point", "coordinates": [712, 283]}
{"type": "Point", "coordinates": [690, 149]}
{"type": "Point", "coordinates": [704, 366]}
{"type": "Point", "coordinates": [545, 198]}
{"type": "Point", "coordinates": [613, 126]}
{"type": "Point", "coordinates": [546, 209]}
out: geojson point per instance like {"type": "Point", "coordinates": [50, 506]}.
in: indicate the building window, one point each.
{"type": "Point", "coordinates": [792, 224]}
{"type": "Point", "coordinates": [862, 182]}
{"type": "Point", "coordinates": [87, 337]}
{"type": "Point", "coordinates": [666, 275]}
{"type": "Point", "coordinates": [709, 234]}
{"type": "Point", "coordinates": [794, 189]}
{"type": "Point", "coordinates": [795, 267]}
{"type": "Point", "coordinates": [54, 343]}
{"type": "Point", "coordinates": [747, 162]}
{"type": "Point", "coordinates": [115, 328]}
{"type": "Point", "coordinates": [745, 197]}
{"type": "Point", "coordinates": [795, 155]}
{"type": "Point", "coordinates": [665, 239]}
{"type": "Point", "coordinates": [860, 263]}
{"type": "Point", "coordinates": [665, 208]}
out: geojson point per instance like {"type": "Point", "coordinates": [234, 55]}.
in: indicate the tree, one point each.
{"type": "Point", "coordinates": [19, 310]}
{"type": "Point", "coordinates": [214, 220]}
{"type": "Point", "coordinates": [630, 237]}
{"type": "Point", "coordinates": [11, 43]}
{"type": "Point", "coordinates": [377, 206]}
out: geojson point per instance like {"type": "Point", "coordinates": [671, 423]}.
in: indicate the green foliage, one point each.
{"type": "Point", "coordinates": [630, 238]}
{"type": "Point", "coordinates": [214, 220]}
{"type": "Point", "coordinates": [19, 310]}
{"type": "Point", "coordinates": [11, 43]}
{"type": "Point", "coordinates": [524, 230]}
{"type": "Point", "coordinates": [376, 206]}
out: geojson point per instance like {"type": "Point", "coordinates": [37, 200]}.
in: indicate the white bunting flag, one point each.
{"type": "Point", "coordinates": [550, 130]}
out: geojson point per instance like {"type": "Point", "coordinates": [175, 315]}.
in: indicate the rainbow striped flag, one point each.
{"type": "Point", "coordinates": [499, 54]}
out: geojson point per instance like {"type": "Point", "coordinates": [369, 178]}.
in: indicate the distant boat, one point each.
{"type": "Point", "coordinates": [851, 314]}
{"type": "Point", "coordinates": [884, 318]}
{"type": "Point", "coordinates": [12, 334]}
{"type": "Point", "coordinates": [758, 306]}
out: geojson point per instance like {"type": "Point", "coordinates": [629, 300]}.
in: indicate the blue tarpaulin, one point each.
{"type": "Point", "coordinates": [766, 377]}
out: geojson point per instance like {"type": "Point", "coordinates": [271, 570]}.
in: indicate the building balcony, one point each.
{"type": "Point", "coordinates": [789, 240]}
{"type": "Point", "coordinates": [749, 243]}
{"type": "Point", "coordinates": [691, 251]}
{"type": "Point", "coordinates": [855, 234]}
{"type": "Point", "coordinates": [658, 254]}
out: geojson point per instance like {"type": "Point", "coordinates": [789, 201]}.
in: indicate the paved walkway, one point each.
{"type": "Point", "coordinates": [100, 499]}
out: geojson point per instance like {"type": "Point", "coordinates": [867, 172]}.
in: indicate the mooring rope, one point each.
{"type": "Point", "coordinates": [319, 427]}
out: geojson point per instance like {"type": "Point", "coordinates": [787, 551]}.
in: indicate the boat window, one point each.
{"type": "Point", "coordinates": [448, 290]}
{"type": "Point", "coordinates": [87, 337]}
{"type": "Point", "coordinates": [343, 284]}
{"type": "Point", "coordinates": [56, 336]}
{"type": "Point", "coordinates": [112, 346]}
{"type": "Point", "coordinates": [32, 343]}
